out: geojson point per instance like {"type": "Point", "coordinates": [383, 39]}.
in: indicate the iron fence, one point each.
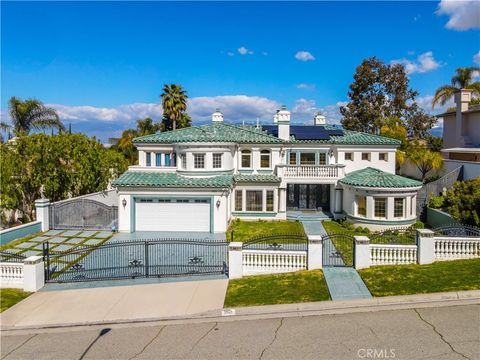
{"type": "Point", "coordinates": [400, 236]}
{"type": "Point", "coordinates": [136, 259]}
{"type": "Point", "coordinates": [296, 242]}
{"type": "Point", "coordinates": [338, 250]}
{"type": "Point", "coordinates": [84, 214]}
{"type": "Point", "coordinates": [7, 256]}
{"type": "Point", "coordinates": [457, 230]}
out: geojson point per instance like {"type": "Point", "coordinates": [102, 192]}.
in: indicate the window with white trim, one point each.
{"type": "Point", "coordinates": [292, 159]}
{"type": "Point", "coordinates": [361, 205]}
{"type": "Point", "coordinates": [183, 161]}
{"type": "Point", "coordinates": [383, 156]}
{"type": "Point", "coordinates": [217, 160]}
{"type": "Point", "coordinates": [265, 159]}
{"type": "Point", "coordinates": [148, 158]}
{"type": "Point", "coordinates": [380, 207]}
{"type": "Point", "coordinates": [254, 200]}
{"type": "Point", "coordinates": [246, 158]}
{"type": "Point", "coordinates": [349, 156]}
{"type": "Point", "coordinates": [366, 156]}
{"type": "Point", "coordinates": [322, 158]}
{"type": "Point", "coordinates": [398, 207]}
{"type": "Point", "coordinates": [269, 204]}
{"type": "Point", "coordinates": [199, 161]}
{"type": "Point", "coordinates": [238, 200]}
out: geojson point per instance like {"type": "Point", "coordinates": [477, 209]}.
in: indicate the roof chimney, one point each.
{"type": "Point", "coordinates": [217, 116]}
{"type": "Point", "coordinates": [462, 98]}
{"type": "Point", "coordinates": [282, 118]}
{"type": "Point", "coordinates": [319, 119]}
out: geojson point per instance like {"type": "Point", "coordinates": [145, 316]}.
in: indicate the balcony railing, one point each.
{"type": "Point", "coordinates": [311, 171]}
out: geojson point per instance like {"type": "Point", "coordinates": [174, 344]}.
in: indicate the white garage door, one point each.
{"type": "Point", "coordinates": [172, 216]}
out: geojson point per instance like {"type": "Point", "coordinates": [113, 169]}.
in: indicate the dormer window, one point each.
{"type": "Point", "coordinates": [148, 159]}
{"type": "Point", "coordinates": [265, 159]}
{"type": "Point", "coordinates": [199, 161]}
{"type": "Point", "coordinates": [217, 161]}
{"type": "Point", "coordinates": [246, 159]}
{"type": "Point", "coordinates": [158, 159]}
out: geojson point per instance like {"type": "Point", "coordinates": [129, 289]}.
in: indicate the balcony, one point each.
{"type": "Point", "coordinates": [311, 172]}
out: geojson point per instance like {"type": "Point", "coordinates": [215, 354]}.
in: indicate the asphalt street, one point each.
{"type": "Point", "coordinates": [425, 333]}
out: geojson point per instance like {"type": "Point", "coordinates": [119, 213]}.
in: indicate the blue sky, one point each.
{"type": "Point", "coordinates": [102, 65]}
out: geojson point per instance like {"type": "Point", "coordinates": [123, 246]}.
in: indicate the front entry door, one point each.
{"type": "Point", "coordinates": [308, 196]}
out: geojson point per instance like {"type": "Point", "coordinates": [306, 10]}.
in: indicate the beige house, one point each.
{"type": "Point", "coordinates": [461, 136]}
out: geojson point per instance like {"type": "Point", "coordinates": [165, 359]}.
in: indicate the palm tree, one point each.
{"type": "Point", "coordinates": [32, 114]}
{"type": "Point", "coordinates": [147, 127]}
{"type": "Point", "coordinates": [174, 103]}
{"type": "Point", "coordinates": [463, 79]}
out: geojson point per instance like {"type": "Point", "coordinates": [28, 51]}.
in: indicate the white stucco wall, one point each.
{"type": "Point", "coordinates": [357, 163]}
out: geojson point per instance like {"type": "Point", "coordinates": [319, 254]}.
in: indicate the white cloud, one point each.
{"type": "Point", "coordinates": [476, 58]}
{"type": "Point", "coordinates": [464, 15]}
{"type": "Point", "coordinates": [230, 53]}
{"type": "Point", "coordinates": [417, 17]}
{"type": "Point", "coordinates": [304, 86]}
{"type": "Point", "coordinates": [304, 56]}
{"type": "Point", "coordinates": [244, 51]}
{"type": "Point", "coordinates": [264, 53]}
{"type": "Point", "coordinates": [424, 63]}
{"type": "Point", "coordinates": [304, 110]}
{"type": "Point", "coordinates": [425, 102]}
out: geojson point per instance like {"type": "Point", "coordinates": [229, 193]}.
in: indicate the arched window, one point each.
{"type": "Point", "coordinates": [265, 159]}
{"type": "Point", "coordinates": [246, 158]}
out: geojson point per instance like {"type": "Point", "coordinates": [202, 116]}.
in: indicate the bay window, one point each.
{"type": "Point", "coordinates": [361, 206]}
{"type": "Point", "coordinates": [269, 204]}
{"type": "Point", "coordinates": [254, 200]}
{"type": "Point", "coordinates": [217, 161]}
{"type": "Point", "coordinates": [398, 207]}
{"type": "Point", "coordinates": [199, 161]}
{"type": "Point", "coordinates": [238, 200]}
{"type": "Point", "coordinates": [380, 207]}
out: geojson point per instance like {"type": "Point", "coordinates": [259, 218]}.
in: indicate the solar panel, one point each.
{"type": "Point", "coordinates": [306, 132]}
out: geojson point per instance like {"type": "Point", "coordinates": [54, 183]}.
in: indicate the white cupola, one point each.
{"type": "Point", "coordinates": [319, 119]}
{"type": "Point", "coordinates": [217, 116]}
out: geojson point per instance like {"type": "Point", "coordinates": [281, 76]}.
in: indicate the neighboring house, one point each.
{"type": "Point", "coordinates": [461, 136]}
{"type": "Point", "coordinates": [199, 178]}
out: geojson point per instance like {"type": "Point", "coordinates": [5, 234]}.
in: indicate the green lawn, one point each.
{"type": "Point", "coordinates": [246, 230]}
{"type": "Point", "coordinates": [419, 279]}
{"type": "Point", "coordinates": [300, 286]}
{"type": "Point", "coordinates": [9, 297]}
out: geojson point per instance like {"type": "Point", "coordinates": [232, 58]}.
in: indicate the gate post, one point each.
{"type": "Point", "coordinates": [33, 273]}
{"type": "Point", "coordinates": [361, 258]}
{"type": "Point", "coordinates": [425, 246]}
{"type": "Point", "coordinates": [42, 207]}
{"type": "Point", "coordinates": [235, 260]}
{"type": "Point", "coordinates": [314, 254]}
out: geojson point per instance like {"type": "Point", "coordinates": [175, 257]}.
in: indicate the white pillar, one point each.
{"type": "Point", "coordinates": [33, 273]}
{"type": "Point", "coordinates": [362, 252]}
{"type": "Point", "coordinates": [315, 248]}
{"type": "Point", "coordinates": [370, 207]}
{"type": "Point", "coordinates": [42, 207]}
{"type": "Point", "coordinates": [235, 261]}
{"type": "Point", "coordinates": [282, 200]}
{"type": "Point", "coordinates": [425, 246]}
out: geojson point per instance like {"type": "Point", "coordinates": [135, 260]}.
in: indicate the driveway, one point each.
{"type": "Point", "coordinates": [117, 303]}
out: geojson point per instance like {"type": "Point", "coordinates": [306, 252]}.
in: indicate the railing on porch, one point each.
{"type": "Point", "coordinates": [311, 171]}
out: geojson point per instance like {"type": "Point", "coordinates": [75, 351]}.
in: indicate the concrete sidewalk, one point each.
{"type": "Point", "coordinates": [118, 303]}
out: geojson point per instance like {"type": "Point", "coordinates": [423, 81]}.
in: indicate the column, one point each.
{"type": "Point", "coordinates": [370, 207]}
{"type": "Point", "coordinates": [315, 248]}
{"type": "Point", "coordinates": [42, 207]}
{"type": "Point", "coordinates": [425, 246]}
{"type": "Point", "coordinates": [282, 200]}
{"type": "Point", "coordinates": [235, 260]}
{"type": "Point", "coordinates": [389, 209]}
{"type": "Point", "coordinates": [362, 252]}
{"type": "Point", "coordinates": [33, 273]}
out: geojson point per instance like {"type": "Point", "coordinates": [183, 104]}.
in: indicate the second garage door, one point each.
{"type": "Point", "coordinates": [175, 215]}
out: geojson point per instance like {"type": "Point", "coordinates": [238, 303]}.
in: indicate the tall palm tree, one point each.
{"type": "Point", "coordinates": [146, 127]}
{"type": "Point", "coordinates": [463, 79]}
{"type": "Point", "coordinates": [174, 103]}
{"type": "Point", "coordinates": [32, 114]}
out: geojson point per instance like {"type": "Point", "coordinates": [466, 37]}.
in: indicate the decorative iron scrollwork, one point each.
{"type": "Point", "coordinates": [135, 263]}
{"type": "Point", "coordinates": [195, 260]}
{"type": "Point", "coordinates": [77, 267]}
{"type": "Point", "coordinates": [275, 246]}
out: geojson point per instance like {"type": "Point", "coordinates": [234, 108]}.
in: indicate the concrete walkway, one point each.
{"type": "Point", "coordinates": [118, 303]}
{"type": "Point", "coordinates": [344, 283]}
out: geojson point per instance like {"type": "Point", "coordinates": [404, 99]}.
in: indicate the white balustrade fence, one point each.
{"type": "Point", "coordinates": [257, 262]}
{"type": "Point", "coordinates": [449, 248]}
{"type": "Point", "coordinates": [11, 275]}
{"type": "Point", "coordinates": [311, 171]}
{"type": "Point", "coordinates": [393, 254]}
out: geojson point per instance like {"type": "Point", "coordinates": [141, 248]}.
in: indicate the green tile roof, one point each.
{"type": "Point", "coordinates": [155, 179]}
{"type": "Point", "coordinates": [256, 178]}
{"type": "Point", "coordinates": [375, 178]}
{"type": "Point", "coordinates": [215, 132]}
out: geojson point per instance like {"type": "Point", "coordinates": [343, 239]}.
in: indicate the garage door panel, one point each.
{"type": "Point", "coordinates": [154, 216]}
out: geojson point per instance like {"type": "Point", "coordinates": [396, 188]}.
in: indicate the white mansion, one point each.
{"type": "Point", "coordinates": [200, 178]}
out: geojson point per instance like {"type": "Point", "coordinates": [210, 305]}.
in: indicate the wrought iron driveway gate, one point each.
{"type": "Point", "coordinates": [338, 250]}
{"type": "Point", "coordinates": [83, 214]}
{"type": "Point", "coordinates": [136, 259]}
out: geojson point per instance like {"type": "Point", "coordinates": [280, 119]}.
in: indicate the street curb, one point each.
{"type": "Point", "coordinates": [284, 310]}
